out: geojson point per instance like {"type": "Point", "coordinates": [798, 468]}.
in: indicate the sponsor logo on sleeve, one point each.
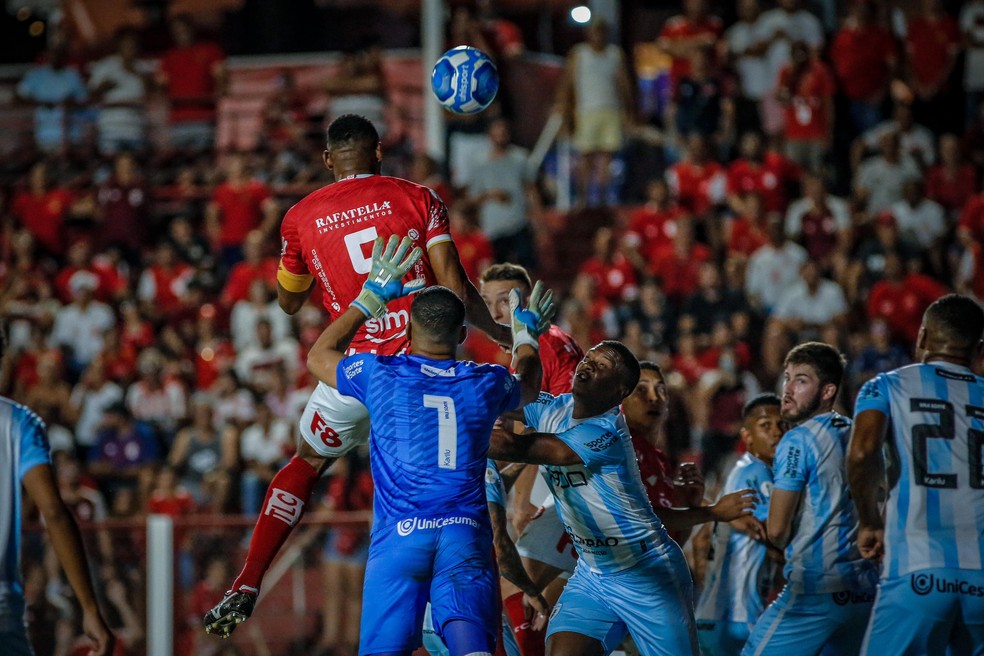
{"type": "Point", "coordinates": [603, 442]}
{"type": "Point", "coordinates": [793, 461]}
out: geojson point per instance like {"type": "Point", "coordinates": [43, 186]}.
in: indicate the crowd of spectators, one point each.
{"type": "Point", "coordinates": [818, 184]}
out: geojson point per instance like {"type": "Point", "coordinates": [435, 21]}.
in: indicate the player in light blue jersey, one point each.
{"type": "Point", "coordinates": [739, 574]}
{"type": "Point", "coordinates": [630, 576]}
{"type": "Point", "coordinates": [930, 416]}
{"type": "Point", "coordinates": [829, 586]}
{"type": "Point", "coordinates": [26, 459]}
{"type": "Point", "coordinates": [431, 416]}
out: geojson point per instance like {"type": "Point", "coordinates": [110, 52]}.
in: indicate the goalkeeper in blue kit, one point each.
{"type": "Point", "coordinates": [431, 418]}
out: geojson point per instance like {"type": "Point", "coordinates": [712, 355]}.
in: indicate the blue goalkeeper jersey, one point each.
{"type": "Point", "coordinates": [934, 514]}
{"type": "Point", "coordinates": [430, 423]}
{"type": "Point", "coordinates": [23, 446]}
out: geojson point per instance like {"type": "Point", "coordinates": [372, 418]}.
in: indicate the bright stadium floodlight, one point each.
{"type": "Point", "coordinates": [581, 14]}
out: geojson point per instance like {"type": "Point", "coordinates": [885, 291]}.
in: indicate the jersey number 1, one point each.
{"type": "Point", "coordinates": [945, 430]}
{"type": "Point", "coordinates": [447, 430]}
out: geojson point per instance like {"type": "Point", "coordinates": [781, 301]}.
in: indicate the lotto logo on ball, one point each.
{"type": "Point", "coordinates": [465, 80]}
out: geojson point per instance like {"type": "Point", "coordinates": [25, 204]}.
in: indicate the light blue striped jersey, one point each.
{"type": "Point", "coordinates": [737, 579]}
{"type": "Point", "coordinates": [603, 502]}
{"type": "Point", "coordinates": [23, 446]}
{"type": "Point", "coordinates": [934, 514]}
{"type": "Point", "coordinates": [431, 421]}
{"type": "Point", "coordinates": [495, 491]}
{"type": "Point", "coordinates": [822, 555]}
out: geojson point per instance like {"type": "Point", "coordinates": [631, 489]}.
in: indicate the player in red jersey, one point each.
{"type": "Point", "coordinates": [327, 240]}
{"type": "Point", "coordinates": [677, 500]}
{"type": "Point", "coordinates": [544, 545]}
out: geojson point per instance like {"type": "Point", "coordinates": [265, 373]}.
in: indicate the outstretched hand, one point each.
{"type": "Point", "coordinates": [529, 322]}
{"type": "Point", "coordinates": [734, 505]}
{"type": "Point", "coordinates": [385, 281]}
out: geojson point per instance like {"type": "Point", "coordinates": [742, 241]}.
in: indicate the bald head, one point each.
{"type": "Point", "coordinates": [953, 323]}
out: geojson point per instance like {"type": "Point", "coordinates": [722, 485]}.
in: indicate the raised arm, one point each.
{"type": "Point", "coordinates": [865, 472]}
{"type": "Point", "coordinates": [449, 273]}
{"type": "Point", "coordinates": [66, 538]}
{"type": "Point", "coordinates": [385, 283]}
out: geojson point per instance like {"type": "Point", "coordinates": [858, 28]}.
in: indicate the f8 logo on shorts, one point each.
{"type": "Point", "coordinates": [324, 432]}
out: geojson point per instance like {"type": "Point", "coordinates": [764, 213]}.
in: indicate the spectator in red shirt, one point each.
{"type": "Point", "coordinates": [651, 226]}
{"type": "Point", "coordinates": [864, 57]}
{"type": "Point", "coordinates": [952, 182]}
{"type": "Point", "coordinates": [474, 248]}
{"type": "Point", "coordinates": [613, 274]}
{"type": "Point", "coordinates": [685, 34]}
{"type": "Point", "coordinates": [43, 208]}
{"type": "Point", "coordinates": [256, 265]}
{"type": "Point", "coordinates": [239, 205]}
{"type": "Point", "coordinates": [757, 171]}
{"type": "Point", "coordinates": [971, 227]}
{"type": "Point", "coordinates": [677, 265]}
{"type": "Point", "coordinates": [746, 233]}
{"type": "Point", "coordinates": [698, 183]}
{"type": "Point", "coordinates": [79, 259]}
{"type": "Point", "coordinates": [932, 45]}
{"type": "Point", "coordinates": [122, 209]}
{"type": "Point", "coordinates": [901, 299]}
{"type": "Point", "coordinates": [162, 284]}
{"type": "Point", "coordinates": [192, 72]}
{"type": "Point", "coordinates": [806, 89]}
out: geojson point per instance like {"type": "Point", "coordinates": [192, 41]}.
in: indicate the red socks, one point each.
{"type": "Point", "coordinates": [282, 508]}
{"type": "Point", "coordinates": [531, 643]}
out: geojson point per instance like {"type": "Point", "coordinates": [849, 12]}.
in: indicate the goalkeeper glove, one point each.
{"type": "Point", "coordinates": [385, 281]}
{"type": "Point", "coordinates": [532, 321]}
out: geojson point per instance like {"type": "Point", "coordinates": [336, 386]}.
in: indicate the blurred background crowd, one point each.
{"type": "Point", "coordinates": [728, 179]}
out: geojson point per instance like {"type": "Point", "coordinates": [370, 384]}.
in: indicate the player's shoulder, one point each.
{"type": "Point", "coordinates": [20, 413]}
{"type": "Point", "coordinates": [828, 421]}
{"type": "Point", "coordinates": [557, 342]}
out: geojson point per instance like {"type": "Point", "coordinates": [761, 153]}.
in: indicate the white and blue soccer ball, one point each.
{"type": "Point", "coordinates": [465, 80]}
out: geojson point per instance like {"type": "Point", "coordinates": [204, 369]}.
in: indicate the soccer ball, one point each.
{"type": "Point", "coordinates": [465, 80]}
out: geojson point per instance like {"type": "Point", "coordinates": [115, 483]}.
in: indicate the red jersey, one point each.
{"type": "Point", "coordinates": [806, 113]}
{"type": "Point", "coordinates": [862, 59]}
{"type": "Point", "coordinates": [972, 217]}
{"type": "Point", "coordinates": [329, 235]}
{"type": "Point", "coordinates": [475, 253]}
{"type": "Point", "coordinates": [902, 304]}
{"type": "Point", "coordinates": [615, 280]}
{"type": "Point", "coordinates": [191, 82]}
{"type": "Point", "coordinates": [768, 180]}
{"type": "Point", "coordinates": [746, 237]}
{"type": "Point", "coordinates": [654, 466]}
{"type": "Point", "coordinates": [241, 208]}
{"type": "Point", "coordinates": [698, 187]}
{"type": "Point", "coordinates": [242, 276]}
{"type": "Point", "coordinates": [681, 28]}
{"type": "Point", "coordinates": [559, 355]}
{"type": "Point", "coordinates": [930, 43]}
{"type": "Point", "coordinates": [951, 191]}
{"type": "Point", "coordinates": [42, 216]}
{"type": "Point", "coordinates": [650, 229]}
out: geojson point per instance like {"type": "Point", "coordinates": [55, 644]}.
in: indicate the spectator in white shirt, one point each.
{"type": "Point", "coordinates": [255, 363]}
{"type": "Point", "coordinates": [80, 325]}
{"type": "Point", "coordinates": [915, 140]}
{"type": "Point", "coordinates": [747, 47]}
{"type": "Point", "coordinates": [91, 397]}
{"type": "Point", "coordinates": [779, 28]}
{"type": "Point", "coordinates": [921, 221]}
{"type": "Point", "coordinates": [119, 83]}
{"type": "Point", "coordinates": [812, 308]}
{"type": "Point", "coordinates": [246, 314]}
{"type": "Point", "coordinates": [264, 446]}
{"type": "Point", "coordinates": [774, 267]}
{"type": "Point", "coordinates": [878, 184]}
{"type": "Point", "coordinates": [972, 26]}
